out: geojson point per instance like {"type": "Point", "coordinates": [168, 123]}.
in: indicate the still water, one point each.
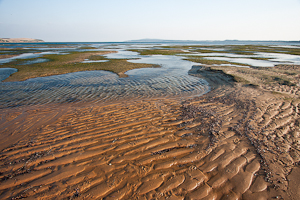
{"type": "Point", "coordinates": [270, 59]}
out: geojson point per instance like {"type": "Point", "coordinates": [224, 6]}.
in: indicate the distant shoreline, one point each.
{"type": "Point", "coordinates": [20, 40]}
{"type": "Point", "coordinates": [158, 41]}
{"type": "Point", "coordinates": [188, 41]}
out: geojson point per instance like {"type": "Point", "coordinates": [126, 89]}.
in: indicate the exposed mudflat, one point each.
{"type": "Point", "coordinates": [235, 142]}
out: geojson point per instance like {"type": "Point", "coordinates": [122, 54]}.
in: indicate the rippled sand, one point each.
{"type": "Point", "coordinates": [236, 142]}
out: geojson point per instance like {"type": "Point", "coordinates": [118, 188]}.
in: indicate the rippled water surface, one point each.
{"type": "Point", "coordinates": [6, 72]}
{"type": "Point", "coordinates": [171, 80]}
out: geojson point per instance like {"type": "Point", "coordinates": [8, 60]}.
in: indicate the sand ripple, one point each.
{"type": "Point", "coordinates": [140, 149]}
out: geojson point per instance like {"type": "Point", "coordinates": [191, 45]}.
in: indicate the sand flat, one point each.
{"type": "Point", "coordinates": [235, 142]}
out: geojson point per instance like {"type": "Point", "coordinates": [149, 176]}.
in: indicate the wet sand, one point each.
{"type": "Point", "coordinates": [236, 142]}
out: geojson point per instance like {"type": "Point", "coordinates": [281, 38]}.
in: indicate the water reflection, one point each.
{"type": "Point", "coordinates": [268, 59]}
{"type": "Point", "coordinates": [26, 56]}
{"type": "Point", "coordinates": [93, 61]}
{"type": "Point", "coordinates": [281, 57]}
{"type": "Point", "coordinates": [30, 62]}
{"type": "Point", "coordinates": [97, 86]}
{"type": "Point", "coordinates": [247, 61]}
{"type": "Point", "coordinates": [171, 80]}
{"type": "Point", "coordinates": [123, 54]}
{"type": "Point", "coordinates": [170, 65]}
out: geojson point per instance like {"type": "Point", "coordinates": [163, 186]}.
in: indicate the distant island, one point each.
{"type": "Point", "coordinates": [159, 40]}
{"type": "Point", "coordinates": [20, 40]}
{"type": "Point", "coordinates": [216, 42]}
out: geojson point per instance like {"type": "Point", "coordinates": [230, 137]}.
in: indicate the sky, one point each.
{"type": "Point", "coordinates": [122, 20]}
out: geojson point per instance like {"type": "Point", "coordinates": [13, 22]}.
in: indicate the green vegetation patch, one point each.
{"type": "Point", "coordinates": [292, 51]}
{"type": "Point", "coordinates": [62, 64]}
{"type": "Point", "coordinates": [18, 51]}
{"type": "Point", "coordinates": [97, 57]}
{"type": "Point", "coordinates": [242, 49]}
{"type": "Point", "coordinates": [175, 47]}
{"type": "Point", "coordinates": [199, 59]}
{"type": "Point", "coordinates": [87, 47]}
{"type": "Point", "coordinates": [234, 49]}
{"type": "Point", "coordinates": [258, 58]}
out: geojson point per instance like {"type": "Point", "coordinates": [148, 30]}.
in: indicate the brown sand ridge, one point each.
{"type": "Point", "coordinates": [239, 141]}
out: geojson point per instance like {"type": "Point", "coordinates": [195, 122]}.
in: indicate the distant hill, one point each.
{"type": "Point", "coordinates": [159, 40]}
{"type": "Point", "coordinates": [19, 40]}
{"type": "Point", "coordinates": [218, 42]}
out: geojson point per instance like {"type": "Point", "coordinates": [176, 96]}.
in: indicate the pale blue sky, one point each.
{"type": "Point", "coordinates": [120, 20]}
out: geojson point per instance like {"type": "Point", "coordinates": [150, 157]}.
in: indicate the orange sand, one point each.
{"type": "Point", "coordinates": [236, 142]}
